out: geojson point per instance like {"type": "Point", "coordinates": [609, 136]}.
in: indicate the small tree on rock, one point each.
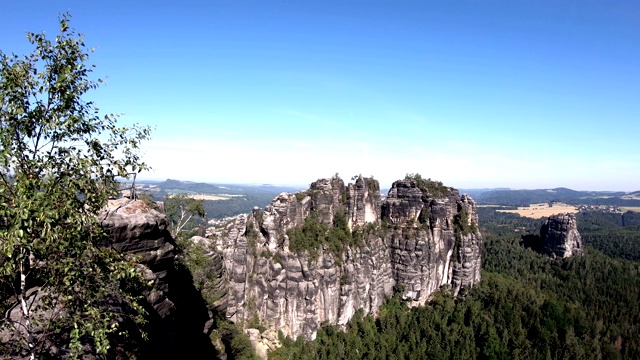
{"type": "Point", "coordinates": [182, 212]}
{"type": "Point", "coordinates": [58, 161]}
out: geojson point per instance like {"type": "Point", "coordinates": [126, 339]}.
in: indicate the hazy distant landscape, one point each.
{"type": "Point", "coordinates": [563, 195]}
{"type": "Point", "coordinates": [223, 200]}
{"type": "Point", "coordinates": [220, 200]}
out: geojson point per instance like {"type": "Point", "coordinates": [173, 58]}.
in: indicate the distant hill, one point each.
{"type": "Point", "coordinates": [234, 198]}
{"type": "Point", "coordinates": [240, 198]}
{"type": "Point", "coordinates": [632, 195]}
{"type": "Point", "coordinates": [475, 193]}
{"type": "Point", "coordinates": [216, 189]}
{"type": "Point", "coordinates": [525, 197]}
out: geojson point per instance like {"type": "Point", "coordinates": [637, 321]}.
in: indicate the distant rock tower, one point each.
{"type": "Point", "coordinates": [560, 236]}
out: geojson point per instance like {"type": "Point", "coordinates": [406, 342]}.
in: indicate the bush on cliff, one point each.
{"type": "Point", "coordinates": [315, 234]}
{"type": "Point", "coordinates": [435, 188]}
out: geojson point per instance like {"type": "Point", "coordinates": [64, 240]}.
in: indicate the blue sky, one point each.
{"type": "Point", "coordinates": [520, 94]}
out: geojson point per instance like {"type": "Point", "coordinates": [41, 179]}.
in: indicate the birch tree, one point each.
{"type": "Point", "coordinates": [182, 211]}
{"type": "Point", "coordinates": [58, 162]}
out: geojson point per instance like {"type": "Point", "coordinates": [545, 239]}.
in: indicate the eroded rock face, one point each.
{"type": "Point", "coordinates": [135, 228]}
{"type": "Point", "coordinates": [413, 242]}
{"type": "Point", "coordinates": [428, 250]}
{"type": "Point", "coordinates": [363, 202]}
{"type": "Point", "coordinates": [327, 198]}
{"type": "Point", "coordinates": [560, 236]}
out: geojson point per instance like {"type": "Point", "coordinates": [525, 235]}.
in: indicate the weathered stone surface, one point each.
{"type": "Point", "coordinates": [135, 228]}
{"type": "Point", "coordinates": [419, 249]}
{"type": "Point", "coordinates": [363, 202]}
{"type": "Point", "coordinates": [284, 213]}
{"type": "Point", "coordinates": [468, 253]}
{"type": "Point", "coordinates": [560, 236]}
{"type": "Point", "coordinates": [403, 204]}
{"type": "Point", "coordinates": [328, 197]}
{"type": "Point", "coordinates": [426, 250]}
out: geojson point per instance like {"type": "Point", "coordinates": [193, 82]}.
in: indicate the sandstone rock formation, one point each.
{"type": "Point", "coordinates": [416, 242]}
{"type": "Point", "coordinates": [133, 228]}
{"type": "Point", "coordinates": [560, 236]}
{"type": "Point", "coordinates": [137, 229]}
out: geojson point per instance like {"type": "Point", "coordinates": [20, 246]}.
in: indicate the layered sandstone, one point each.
{"type": "Point", "coordinates": [137, 229]}
{"type": "Point", "coordinates": [415, 242]}
{"type": "Point", "coordinates": [560, 236]}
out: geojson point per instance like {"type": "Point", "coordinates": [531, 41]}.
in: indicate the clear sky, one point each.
{"type": "Point", "coordinates": [520, 94]}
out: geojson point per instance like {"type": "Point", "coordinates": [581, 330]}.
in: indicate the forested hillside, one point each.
{"type": "Point", "coordinates": [527, 306]}
{"type": "Point", "coordinates": [616, 235]}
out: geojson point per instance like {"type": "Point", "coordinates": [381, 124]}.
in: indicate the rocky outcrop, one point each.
{"type": "Point", "coordinates": [560, 236]}
{"type": "Point", "coordinates": [140, 229]}
{"type": "Point", "coordinates": [133, 228]}
{"type": "Point", "coordinates": [137, 229]}
{"type": "Point", "coordinates": [416, 242]}
{"type": "Point", "coordinates": [434, 242]}
{"type": "Point", "coordinates": [363, 202]}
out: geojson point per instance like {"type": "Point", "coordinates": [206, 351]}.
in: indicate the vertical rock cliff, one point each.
{"type": "Point", "coordinates": [176, 312]}
{"type": "Point", "coordinates": [135, 228]}
{"type": "Point", "coordinates": [354, 252]}
{"type": "Point", "coordinates": [560, 236]}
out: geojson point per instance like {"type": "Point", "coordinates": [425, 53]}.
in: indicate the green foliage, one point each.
{"type": "Point", "coordinates": [372, 184]}
{"type": "Point", "coordinates": [301, 195]}
{"type": "Point", "coordinates": [148, 200]}
{"type": "Point", "coordinates": [315, 234]}
{"type": "Point", "coordinates": [564, 195]}
{"type": "Point", "coordinates": [254, 323]}
{"type": "Point", "coordinates": [498, 224]}
{"type": "Point", "coordinates": [308, 238]}
{"type": "Point", "coordinates": [184, 214]}
{"type": "Point", "coordinates": [58, 163]}
{"type": "Point", "coordinates": [435, 188]}
{"type": "Point", "coordinates": [217, 209]}
{"type": "Point", "coordinates": [616, 235]}
{"type": "Point", "coordinates": [236, 341]}
{"type": "Point", "coordinates": [277, 258]}
{"type": "Point", "coordinates": [526, 197]}
{"type": "Point", "coordinates": [462, 224]}
{"type": "Point", "coordinates": [252, 237]}
{"type": "Point", "coordinates": [241, 199]}
{"type": "Point", "coordinates": [204, 272]}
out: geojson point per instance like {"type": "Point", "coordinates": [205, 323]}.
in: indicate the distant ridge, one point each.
{"type": "Point", "coordinates": [560, 194]}
{"type": "Point", "coordinates": [233, 199]}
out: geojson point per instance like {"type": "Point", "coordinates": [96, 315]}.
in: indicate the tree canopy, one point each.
{"type": "Point", "coordinates": [62, 285]}
{"type": "Point", "coordinates": [182, 212]}
{"type": "Point", "coordinates": [433, 187]}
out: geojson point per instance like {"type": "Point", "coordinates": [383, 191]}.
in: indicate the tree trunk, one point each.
{"type": "Point", "coordinates": [26, 312]}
